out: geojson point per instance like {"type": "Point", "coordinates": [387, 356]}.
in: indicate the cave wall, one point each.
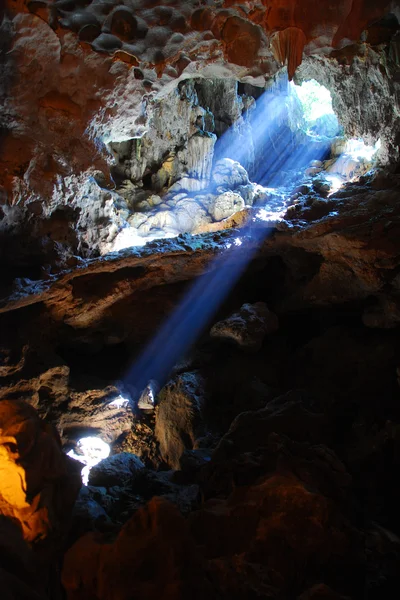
{"type": "Point", "coordinates": [102, 75]}
{"type": "Point", "coordinates": [364, 84]}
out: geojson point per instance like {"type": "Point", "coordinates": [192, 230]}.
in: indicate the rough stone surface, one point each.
{"type": "Point", "coordinates": [115, 469]}
{"type": "Point", "coordinates": [128, 94]}
{"type": "Point", "coordinates": [225, 205]}
{"type": "Point", "coordinates": [179, 421]}
{"type": "Point", "coordinates": [248, 327]}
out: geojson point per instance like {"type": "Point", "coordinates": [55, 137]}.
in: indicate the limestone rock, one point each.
{"type": "Point", "coordinates": [199, 157]}
{"type": "Point", "coordinates": [187, 184]}
{"type": "Point", "coordinates": [115, 470]}
{"type": "Point", "coordinates": [248, 327]}
{"type": "Point", "coordinates": [179, 416]}
{"type": "Point", "coordinates": [190, 216]}
{"type": "Point", "coordinates": [230, 174]}
{"type": "Point", "coordinates": [225, 205]}
{"type": "Point", "coordinates": [93, 411]}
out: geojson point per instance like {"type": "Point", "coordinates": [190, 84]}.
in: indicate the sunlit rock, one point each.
{"type": "Point", "coordinates": [225, 205]}
{"type": "Point", "coordinates": [94, 410]}
{"type": "Point", "coordinates": [229, 174]}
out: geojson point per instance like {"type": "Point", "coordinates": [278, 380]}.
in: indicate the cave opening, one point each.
{"type": "Point", "coordinates": [217, 149]}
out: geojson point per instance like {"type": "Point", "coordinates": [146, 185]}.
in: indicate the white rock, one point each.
{"type": "Point", "coordinates": [230, 174]}
{"type": "Point", "coordinates": [225, 205]}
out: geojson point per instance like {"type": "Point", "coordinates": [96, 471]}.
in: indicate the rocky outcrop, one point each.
{"type": "Point", "coordinates": [279, 518]}
{"type": "Point", "coordinates": [115, 469]}
{"type": "Point", "coordinates": [179, 419]}
{"type": "Point", "coordinates": [38, 488]}
{"type": "Point", "coordinates": [248, 327]}
{"type": "Point", "coordinates": [39, 484]}
{"type": "Point", "coordinates": [144, 89]}
{"type": "Point", "coordinates": [365, 106]}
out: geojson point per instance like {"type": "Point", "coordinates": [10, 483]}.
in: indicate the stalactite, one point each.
{"type": "Point", "coordinates": [287, 46]}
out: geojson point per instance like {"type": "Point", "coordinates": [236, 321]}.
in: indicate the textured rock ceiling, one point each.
{"type": "Point", "coordinates": [75, 73]}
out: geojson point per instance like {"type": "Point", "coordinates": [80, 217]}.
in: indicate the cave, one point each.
{"type": "Point", "coordinates": [199, 300]}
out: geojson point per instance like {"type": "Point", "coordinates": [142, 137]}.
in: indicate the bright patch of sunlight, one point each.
{"type": "Point", "coordinates": [119, 402]}
{"type": "Point", "coordinates": [270, 215]}
{"type": "Point", "coordinates": [90, 451]}
{"type": "Point", "coordinates": [128, 237]}
{"type": "Point", "coordinates": [358, 150]}
{"type": "Point", "coordinates": [315, 98]}
{"type": "Point", "coordinates": [336, 182]}
{"type": "Point", "coordinates": [236, 241]}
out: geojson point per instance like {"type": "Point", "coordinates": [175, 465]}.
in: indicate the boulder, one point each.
{"type": "Point", "coordinates": [187, 184]}
{"type": "Point", "coordinates": [225, 205]}
{"type": "Point", "coordinates": [88, 513]}
{"type": "Point", "coordinates": [248, 327]}
{"type": "Point", "coordinates": [190, 215]}
{"type": "Point", "coordinates": [115, 469]}
{"type": "Point", "coordinates": [248, 192]}
{"type": "Point", "coordinates": [229, 174]}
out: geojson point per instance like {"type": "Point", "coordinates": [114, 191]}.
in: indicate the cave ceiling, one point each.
{"type": "Point", "coordinates": [78, 74]}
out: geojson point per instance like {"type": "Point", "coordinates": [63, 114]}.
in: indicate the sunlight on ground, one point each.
{"type": "Point", "coordinates": [90, 451]}
{"type": "Point", "coordinates": [270, 215]}
{"type": "Point", "coordinates": [129, 237]}
{"type": "Point", "coordinates": [336, 182]}
{"type": "Point", "coordinates": [358, 150]}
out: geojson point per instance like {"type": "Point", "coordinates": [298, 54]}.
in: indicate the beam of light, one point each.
{"type": "Point", "coordinates": [90, 451]}
{"type": "Point", "coordinates": [264, 121]}
{"type": "Point", "coordinates": [188, 320]}
{"type": "Point", "coordinates": [195, 310]}
{"type": "Point", "coordinates": [279, 146]}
